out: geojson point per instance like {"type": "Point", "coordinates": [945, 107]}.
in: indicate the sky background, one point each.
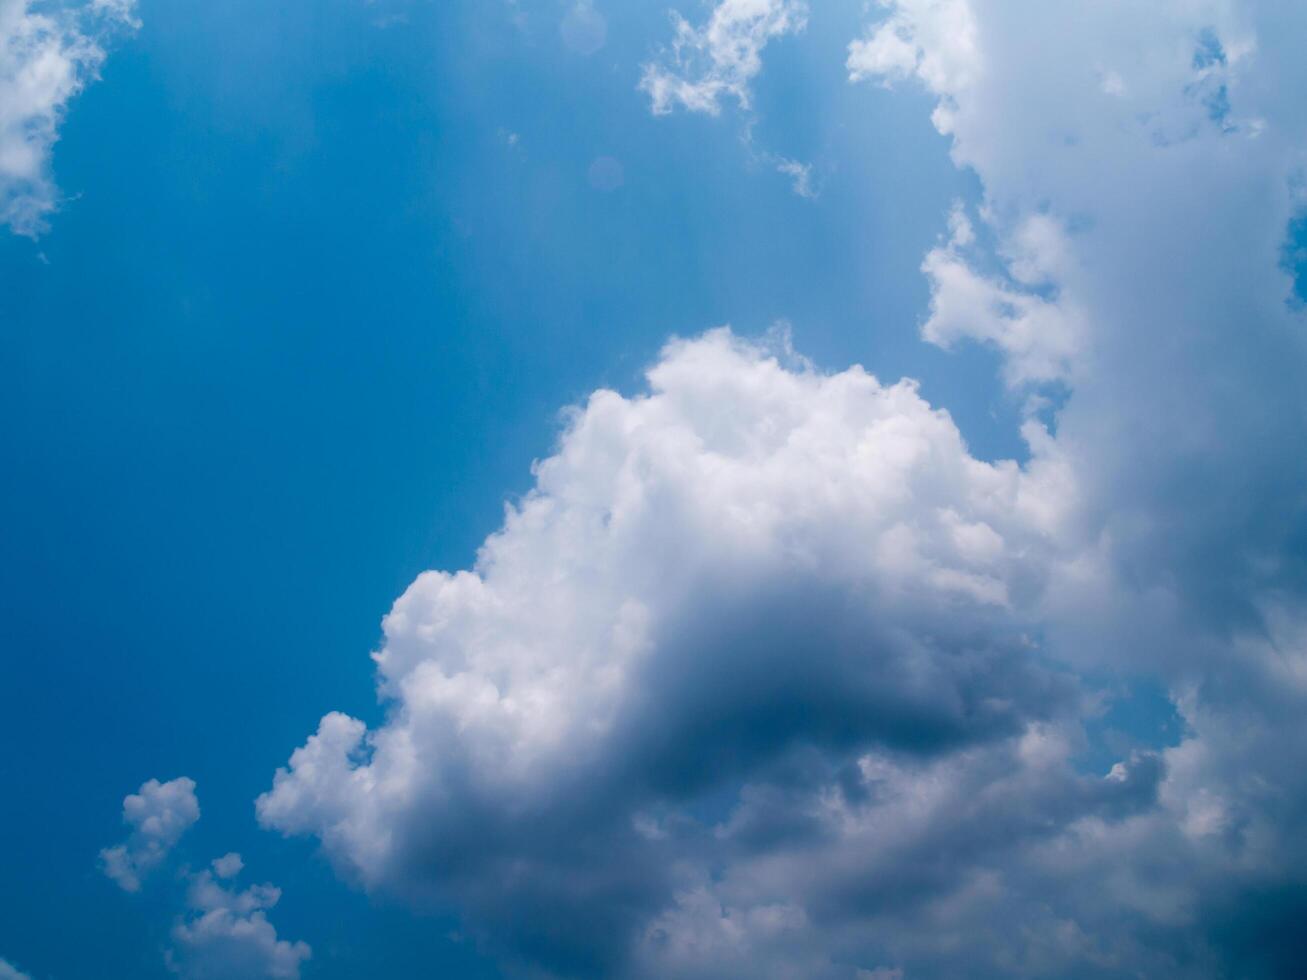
{"type": "Point", "coordinates": [300, 329]}
{"type": "Point", "coordinates": [323, 276]}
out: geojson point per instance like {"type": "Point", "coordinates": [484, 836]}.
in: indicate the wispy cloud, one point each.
{"type": "Point", "coordinates": [47, 56]}
{"type": "Point", "coordinates": [719, 59]}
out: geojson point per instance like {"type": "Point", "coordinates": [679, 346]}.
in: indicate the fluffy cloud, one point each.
{"type": "Point", "coordinates": [720, 58]}
{"type": "Point", "coordinates": [1106, 182]}
{"type": "Point", "coordinates": [227, 932]}
{"type": "Point", "coordinates": [159, 813]}
{"type": "Point", "coordinates": [228, 866]}
{"type": "Point", "coordinates": [934, 40]}
{"type": "Point", "coordinates": [768, 676]}
{"type": "Point", "coordinates": [1039, 336]}
{"type": "Point", "coordinates": [9, 972]}
{"type": "Point", "coordinates": [46, 58]}
{"type": "Point", "coordinates": [740, 583]}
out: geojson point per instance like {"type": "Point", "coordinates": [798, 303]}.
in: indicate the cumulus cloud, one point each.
{"type": "Point", "coordinates": [905, 862]}
{"type": "Point", "coordinates": [719, 59]}
{"type": "Point", "coordinates": [750, 577]}
{"type": "Point", "coordinates": [934, 40]}
{"type": "Point", "coordinates": [226, 933]}
{"type": "Point", "coordinates": [1110, 277]}
{"type": "Point", "coordinates": [769, 676]}
{"type": "Point", "coordinates": [47, 56]}
{"type": "Point", "coordinates": [228, 866]}
{"type": "Point", "coordinates": [1039, 335]}
{"type": "Point", "coordinates": [10, 972]}
{"type": "Point", "coordinates": [159, 814]}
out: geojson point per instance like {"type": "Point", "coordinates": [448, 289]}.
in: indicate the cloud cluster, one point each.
{"type": "Point", "coordinates": [224, 933]}
{"type": "Point", "coordinates": [719, 59]}
{"type": "Point", "coordinates": [10, 972]}
{"type": "Point", "coordinates": [1040, 334]}
{"type": "Point", "coordinates": [159, 814]}
{"type": "Point", "coordinates": [46, 58]}
{"type": "Point", "coordinates": [934, 40]}
{"type": "Point", "coordinates": [227, 933]}
{"type": "Point", "coordinates": [769, 676]}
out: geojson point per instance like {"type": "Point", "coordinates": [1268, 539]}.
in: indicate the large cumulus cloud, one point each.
{"type": "Point", "coordinates": [753, 573]}
{"type": "Point", "coordinates": [769, 676]}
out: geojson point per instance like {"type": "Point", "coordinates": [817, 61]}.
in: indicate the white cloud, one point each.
{"type": "Point", "coordinates": [119, 11]}
{"type": "Point", "coordinates": [228, 866]}
{"type": "Point", "coordinates": [1040, 337]}
{"type": "Point", "coordinates": [935, 40]}
{"type": "Point", "coordinates": [10, 972]}
{"type": "Point", "coordinates": [720, 58]}
{"type": "Point", "coordinates": [227, 932]}
{"type": "Point", "coordinates": [1109, 274]}
{"type": "Point", "coordinates": [159, 814]}
{"type": "Point", "coordinates": [47, 56]}
{"type": "Point", "coordinates": [751, 563]}
{"type": "Point", "coordinates": [800, 175]}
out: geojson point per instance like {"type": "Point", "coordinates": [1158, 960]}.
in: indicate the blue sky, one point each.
{"type": "Point", "coordinates": [303, 325]}
{"type": "Point", "coordinates": [320, 282]}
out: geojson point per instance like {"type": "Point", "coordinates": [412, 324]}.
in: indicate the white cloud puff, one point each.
{"type": "Point", "coordinates": [227, 932]}
{"type": "Point", "coordinates": [1040, 336]}
{"type": "Point", "coordinates": [159, 814]}
{"type": "Point", "coordinates": [11, 972]}
{"type": "Point", "coordinates": [719, 59]}
{"type": "Point", "coordinates": [228, 866]}
{"type": "Point", "coordinates": [934, 40]}
{"type": "Point", "coordinates": [47, 56]}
